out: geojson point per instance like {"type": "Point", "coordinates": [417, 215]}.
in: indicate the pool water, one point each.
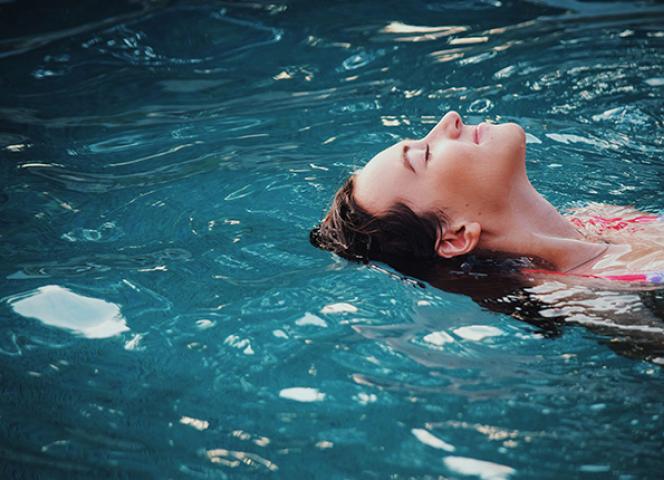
{"type": "Point", "coordinates": [164, 315]}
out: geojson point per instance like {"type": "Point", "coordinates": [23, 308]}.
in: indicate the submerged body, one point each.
{"type": "Point", "coordinates": [634, 239]}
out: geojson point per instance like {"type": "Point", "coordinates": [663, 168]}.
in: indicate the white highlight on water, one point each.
{"type": "Point", "coordinates": [199, 425]}
{"type": "Point", "coordinates": [438, 338]}
{"type": "Point", "coordinates": [279, 333]}
{"type": "Point", "coordinates": [430, 439]}
{"type": "Point", "coordinates": [339, 308]}
{"type": "Point", "coordinates": [60, 307]}
{"type": "Point", "coordinates": [240, 343]}
{"type": "Point", "coordinates": [302, 394]}
{"type": "Point", "coordinates": [134, 343]}
{"type": "Point", "coordinates": [477, 333]}
{"type": "Point", "coordinates": [568, 138]}
{"type": "Point", "coordinates": [655, 81]}
{"type": "Point", "coordinates": [365, 398]}
{"type": "Point", "coordinates": [311, 320]}
{"type": "Point", "coordinates": [480, 468]}
{"type": "Point", "coordinates": [530, 138]}
{"type": "Point", "coordinates": [204, 324]}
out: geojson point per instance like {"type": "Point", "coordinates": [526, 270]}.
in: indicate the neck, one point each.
{"type": "Point", "coordinates": [530, 226]}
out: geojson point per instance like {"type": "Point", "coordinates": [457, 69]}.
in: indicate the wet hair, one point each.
{"type": "Point", "coordinates": [406, 241]}
{"type": "Point", "coordinates": [353, 233]}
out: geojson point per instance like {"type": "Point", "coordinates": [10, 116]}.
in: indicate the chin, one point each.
{"type": "Point", "coordinates": [516, 131]}
{"type": "Point", "coordinates": [517, 136]}
{"type": "Point", "coordinates": [515, 139]}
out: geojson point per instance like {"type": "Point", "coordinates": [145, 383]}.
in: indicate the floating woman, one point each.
{"type": "Point", "coordinates": [463, 192]}
{"type": "Point", "coordinates": [456, 210]}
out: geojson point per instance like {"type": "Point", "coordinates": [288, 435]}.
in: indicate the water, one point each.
{"type": "Point", "coordinates": [164, 315]}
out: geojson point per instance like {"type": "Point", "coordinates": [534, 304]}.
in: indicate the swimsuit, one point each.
{"type": "Point", "coordinates": [654, 278]}
{"type": "Point", "coordinates": [616, 224]}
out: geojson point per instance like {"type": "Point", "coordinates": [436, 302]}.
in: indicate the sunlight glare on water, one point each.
{"type": "Point", "coordinates": [60, 307]}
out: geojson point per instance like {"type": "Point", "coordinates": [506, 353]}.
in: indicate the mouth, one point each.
{"type": "Point", "coordinates": [478, 131]}
{"type": "Point", "coordinates": [476, 134]}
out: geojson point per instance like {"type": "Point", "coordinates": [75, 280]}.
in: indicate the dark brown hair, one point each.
{"type": "Point", "coordinates": [355, 234]}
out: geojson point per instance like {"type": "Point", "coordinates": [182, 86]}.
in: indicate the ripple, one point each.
{"type": "Point", "coordinates": [99, 262]}
{"type": "Point", "coordinates": [117, 144]}
{"type": "Point", "coordinates": [123, 43]}
{"type": "Point", "coordinates": [143, 44]}
{"type": "Point", "coordinates": [93, 182]}
{"type": "Point", "coordinates": [229, 114]}
{"type": "Point", "coordinates": [17, 46]}
{"type": "Point", "coordinates": [481, 105]}
{"type": "Point", "coordinates": [402, 32]}
{"type": "Point", "coordinates": [568, 138]}
{"type": "Point", "coordinates": [624, 117]}
{"type": "Point", "coordinates": [106, 232]}
{"type": "Point", "coordinates": [476, 5]}
{"type": "Point", "coordinates": [361, 59]}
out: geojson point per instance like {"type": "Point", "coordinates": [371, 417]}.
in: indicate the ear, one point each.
{"type": "Point", "coordinates": [460, 240]}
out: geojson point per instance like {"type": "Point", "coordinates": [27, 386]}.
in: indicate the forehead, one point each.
{"type": "Point", "coordinates": [377, 184]}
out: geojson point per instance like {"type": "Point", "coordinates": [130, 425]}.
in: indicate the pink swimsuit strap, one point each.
{"type": "Point", "coordinates": [615, 223]}
{"type": "Point", "coordinates": [656, 278]}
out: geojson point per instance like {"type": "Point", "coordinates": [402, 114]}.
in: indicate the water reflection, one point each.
{"type": "Point", "coordinates": [59, 307]}
{"type": "Point", "coordinates": [630, 320]}
{"type": "Point", "coordinates": [401, 32]}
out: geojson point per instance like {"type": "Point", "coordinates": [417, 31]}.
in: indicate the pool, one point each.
{"type": "Point", "coordinates": [164, 315]}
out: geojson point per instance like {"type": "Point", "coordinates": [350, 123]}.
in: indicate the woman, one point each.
{"type": "Point", "coordinates": [463, 189]}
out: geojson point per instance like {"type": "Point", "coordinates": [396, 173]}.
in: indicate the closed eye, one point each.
{"type": "Point", "coordinates": [407, 163]}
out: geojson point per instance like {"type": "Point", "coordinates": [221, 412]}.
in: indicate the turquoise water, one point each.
{"type": "Point", "coordinates": [164, 315]}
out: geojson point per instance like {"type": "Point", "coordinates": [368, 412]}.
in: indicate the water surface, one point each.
{"type": "Point", "coordinates": [164, 315]}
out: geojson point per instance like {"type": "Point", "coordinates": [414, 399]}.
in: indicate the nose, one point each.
{"type": "Point", "coordinates": [449, 126]}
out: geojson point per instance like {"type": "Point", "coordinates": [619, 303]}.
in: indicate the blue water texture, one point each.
{"type": "Point", "coordinates": [163, 313]}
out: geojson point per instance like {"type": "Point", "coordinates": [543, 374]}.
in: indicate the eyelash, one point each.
{"type": "Point", "coordinates": [427, 153]}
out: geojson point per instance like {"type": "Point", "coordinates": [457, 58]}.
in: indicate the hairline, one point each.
{"type": "Point", "coordinates": [438, 214]}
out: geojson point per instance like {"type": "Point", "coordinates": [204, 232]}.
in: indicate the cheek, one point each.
{"type": "Point", "coordinates": [462, 171]}
{"type": "Point", "coordinates": [478, 187]}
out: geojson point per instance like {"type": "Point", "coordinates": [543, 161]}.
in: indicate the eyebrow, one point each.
{"type": "Point", "coordinates": [404, 159]}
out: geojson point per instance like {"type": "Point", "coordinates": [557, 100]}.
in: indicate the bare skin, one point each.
{"type": "Point", "coordinates": [477, 176]}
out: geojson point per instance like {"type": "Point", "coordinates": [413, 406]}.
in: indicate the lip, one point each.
{"type": "Point", "coordinates": [479, 131]}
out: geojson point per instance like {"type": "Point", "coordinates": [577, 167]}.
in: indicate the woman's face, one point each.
{"type": "Point", "coordinates": [463, 170]}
